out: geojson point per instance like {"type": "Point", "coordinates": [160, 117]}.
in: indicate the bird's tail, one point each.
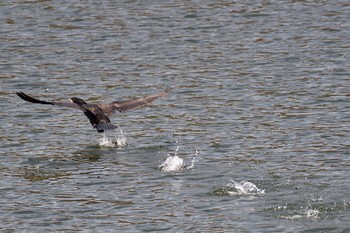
{"type": "Point", "coordinates": [101, 127]}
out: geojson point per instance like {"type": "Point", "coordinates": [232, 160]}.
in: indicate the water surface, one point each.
{"type": "Point", "coordinates": [261, 97]}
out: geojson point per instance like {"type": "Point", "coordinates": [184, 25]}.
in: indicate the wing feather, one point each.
{"type": "Point", "coordinates": [98, 113]}
{"type": "Point", "coordinates": [28, 98]}
{"type": "Point", "coordinates": [123, 106]}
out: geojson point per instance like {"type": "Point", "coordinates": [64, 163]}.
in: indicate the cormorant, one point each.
{"type": "Point", "coordinates": [98, 113]}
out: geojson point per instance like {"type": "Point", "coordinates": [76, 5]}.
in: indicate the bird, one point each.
{"type": "Point", "coordinates": [98, 113]}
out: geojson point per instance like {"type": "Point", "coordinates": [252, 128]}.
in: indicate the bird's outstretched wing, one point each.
{"type": "Point", "coordinates": [28, 98]}
{"type": "Point", "coordinates": [123, 106]}
{"type": "Point", "coordinates": [98, 113]}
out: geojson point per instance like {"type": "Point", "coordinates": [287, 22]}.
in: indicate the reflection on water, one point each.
{"type": "Point", "coordinates": [261, 92]}
{"type": "Point", "coordinates": [39, 174]}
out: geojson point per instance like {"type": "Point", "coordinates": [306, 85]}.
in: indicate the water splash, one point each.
{"type": "Point", "coordinates": [234, 188]}
{"type": "Point", "coordinates": [244, 188]}
{"type": "Point", "coordinates": [191, 165]}
{"type": "Point", "coordinates": [309, 214]}
{"type": "Point", "coordinates": [313, 209]}
{"type": "Point", "coordinates": [172, 163]}
{"type": "Point", "coordinates": [177, 148]}
{"type": "Point", "coordinates": [118, 140]}
{"type": "Point", "coordinates": [175, 163]}
{"type": "Point", "coordinates": [313, 214]}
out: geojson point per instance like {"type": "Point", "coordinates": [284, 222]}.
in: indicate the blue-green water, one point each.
{"type": "Point", "coordinates": [261, 97]}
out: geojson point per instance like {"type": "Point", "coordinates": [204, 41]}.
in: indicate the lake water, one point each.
{"type": "Point", "coordinates": [253, 138]}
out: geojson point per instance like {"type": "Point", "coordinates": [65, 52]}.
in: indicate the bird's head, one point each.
{"type": "Point", "coordinates": [77, 101]}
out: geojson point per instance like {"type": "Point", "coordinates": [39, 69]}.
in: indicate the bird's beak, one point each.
{"type": "Point", "coordinates": [70, 100]}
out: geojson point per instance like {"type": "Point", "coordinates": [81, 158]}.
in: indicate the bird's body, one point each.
{"type": "Point", "coordinates": [98, 113]}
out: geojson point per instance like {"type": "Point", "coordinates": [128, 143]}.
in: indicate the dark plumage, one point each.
{"type": "Point", "coordinates": [98, 113]}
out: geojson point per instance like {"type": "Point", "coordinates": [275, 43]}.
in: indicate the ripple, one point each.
{"type": "Point", "coordinates": [262, 88]}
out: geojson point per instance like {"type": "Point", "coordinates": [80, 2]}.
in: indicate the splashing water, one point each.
{"type": "Point", "coordinates": [175, 163]}
{"type": "Point", "coordinates": [313, 214]}
{"type": "Point", "coordinates": [234, 188]}
{"type": "Point", "coordinates": [172, 163]}
{"type": "Point", "coordinates": [310, 214]}
{"type": "Point", "coordinates": [244, 188]}
{"type": "Point", "coordinates": [191, 165]}
{"type": "Point", "coordinates": [118, 140]}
